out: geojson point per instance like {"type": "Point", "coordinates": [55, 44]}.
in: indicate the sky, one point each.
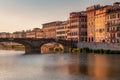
{"type": "Point", "coordinates": [18, 15]}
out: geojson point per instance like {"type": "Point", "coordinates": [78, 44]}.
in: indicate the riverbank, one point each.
{"type": "Point", "coordinates": [99, 45]}
{"type": "Point", "coordinates": [93, 51]}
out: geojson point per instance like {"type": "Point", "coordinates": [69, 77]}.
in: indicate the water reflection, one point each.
{"type": "Point", "coordinates": [59, 67]}
{"type": "Point", "coordinates": [104, 66]}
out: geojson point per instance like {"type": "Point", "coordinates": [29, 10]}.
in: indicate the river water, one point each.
{"type": "Point", "coordinates": [14, 65]}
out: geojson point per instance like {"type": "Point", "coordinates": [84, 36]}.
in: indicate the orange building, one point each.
{"type": "Point", "coordinates": [38, 33]}
{"type": "Point", "coordinates": [30, 34]}
{"type": "Point", "coordinates": [77, 26]}
{"type": "Point", "coordinates": [49, 29]}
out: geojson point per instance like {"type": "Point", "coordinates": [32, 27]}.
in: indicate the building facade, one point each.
{"type": "Point", "coordinates": [49, 29]}
{"type": "Point", "coordinates": [77, 26]}
{"type": "Point", "coordinates": [30, 34]}
{"type": "Point", "coordinates": [61, 31]}
{"type": "Point", "coordinates": [113, 23]}
{"type": "Point", "coordinates": [91, 22]}
{"type": "Point", "coordinates": [100, 24]}
{"type": "Point", "coordinates": [38, 33]}
{"type": "Point", "coordinates": [35, 33]}
{"type": "Point", "coordinates": [19, 34]}
{"type": "Point", "coordinates": [5, 35]}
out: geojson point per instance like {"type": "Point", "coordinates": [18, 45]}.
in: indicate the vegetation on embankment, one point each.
{"type": "Point", "coordinates": [96, 51]}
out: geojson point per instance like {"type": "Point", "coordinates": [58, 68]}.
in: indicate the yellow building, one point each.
{"type": "Point", "coordinates": [100, 24]}
{"type": "Point", "coordinates": [61, 31]}
{"type": "Point", "coordinates": [91, 22]}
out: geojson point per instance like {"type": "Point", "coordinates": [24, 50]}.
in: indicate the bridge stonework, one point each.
{"type": "Point", "coordinates": [33, 45]}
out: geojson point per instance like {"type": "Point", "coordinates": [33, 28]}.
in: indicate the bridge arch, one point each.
{"type": "Point", "coordinates": [65, 46]}
{"type": "Point", "coordinates": [26, 44]}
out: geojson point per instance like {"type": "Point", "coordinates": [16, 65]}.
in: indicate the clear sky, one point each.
{"type": "Point", "coordinates": [17, 15]}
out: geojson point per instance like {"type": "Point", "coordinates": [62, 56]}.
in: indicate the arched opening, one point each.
{"type": "Point", "coordinates": [12, 46]}
{"type": "Point", "coordinates": [52, 47]}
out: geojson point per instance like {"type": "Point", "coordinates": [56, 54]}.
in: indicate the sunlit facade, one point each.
{"type": "Point", "coordinates": [61, 31]}
{"type": "Point", "coordinates": [91, 22]}
{"type": "Point", "coordinates": [49, 29]}
{"type": "Point", "coordinates": [100, 24]}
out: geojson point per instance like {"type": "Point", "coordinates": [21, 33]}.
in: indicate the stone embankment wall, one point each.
{"type": "Point", "coordinates": [99, 45]}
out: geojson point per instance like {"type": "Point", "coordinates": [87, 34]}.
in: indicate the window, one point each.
{"type": "Point", "coordinates": [118, 34]}
{"type": "Point", "coordinates": [112, 16]}
{"type": "Point", "coordinates": [107, 29]}
{"type": "Point", "coordinates": [107, 17]}
{"type": "Point", "coordinates": [118, 28]}
{"type": "Point", "coordinates": [119, 15]}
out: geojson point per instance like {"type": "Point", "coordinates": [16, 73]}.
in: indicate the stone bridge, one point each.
{"type": "Point", "coordinates": [33, 45]}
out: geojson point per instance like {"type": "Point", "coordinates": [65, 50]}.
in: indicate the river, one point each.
{"type": "Point", "coordinates": [14, 65]}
